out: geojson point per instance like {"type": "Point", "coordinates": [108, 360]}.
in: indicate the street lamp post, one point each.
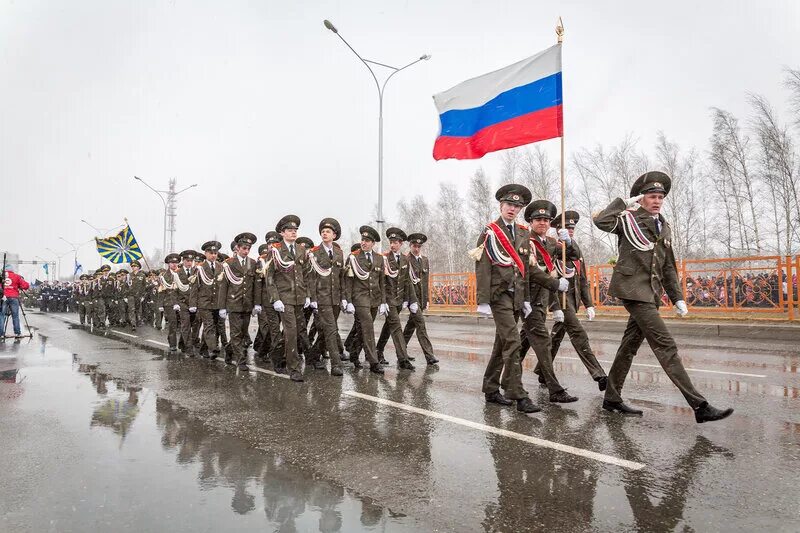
{"type": "Point", "coordinates": [381, 90]}
{"type": "Point", "coordinates": [58, 257]}
{"type": "Point", "coordinates": [101, 232]}
{"type": "Point", "coordinates": [169, 200]}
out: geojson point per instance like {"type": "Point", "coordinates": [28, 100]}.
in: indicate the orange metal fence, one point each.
{"type": "Point", "coordinates": [739, 285]}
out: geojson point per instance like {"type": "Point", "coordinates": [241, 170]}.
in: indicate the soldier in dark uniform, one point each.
{"type": "Point", "coordinates": [326, 286]}
{"type": "Point", "coordinates": [121, 297]}
{"type": "Point", "coordinates": [578, 293]}
{"type": "Point", "coordinates": [304, 340]}
{"type": "Point", "coordinates": [137, 285]}
{"type": "Point", "coordinates": [167, 299]}
{"type": "Point", "coordinates": [81, 297]}
{"type": "Point", "coordinates": [365, 292]}
{"type": "Point", "coordinates": [353, 342]}
{"type": "Point", "coordinates": [186, 285]}
{"type": "Point", "coordinates": [286, 283]}
{"type": "Point", "coordinates": [204, 299]}
{"type": "Point", "coordinates": [237, 297]}
{"type": "Point", "coordinates": [399, 295]}
{"type": "Point", "coordinates": [644, 270]}
{"type": "Point", "coordinates": [269, 321]}
{"type": "Point", "coordinates": [501, 269]}
{"type": "Point", "coordinates": [105, 295]}
{"type": "Point", "coordinates": [544, 284]}
{"type": "Point", "coordinates": [419, 275]}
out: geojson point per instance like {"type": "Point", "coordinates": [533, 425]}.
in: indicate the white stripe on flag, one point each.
{"type": "Point", "coordinates": [478, 91]}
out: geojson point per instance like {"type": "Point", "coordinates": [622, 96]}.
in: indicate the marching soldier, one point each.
{"type": "Point", "coordinates": [237, 297]}
{"type": "Point", "coordinates": [286, 285]}
{"type": "Point", "coordinates": [137, 286]}
{"type": "Point", "coordinates": [204, 299]}
{"type": "Point", "coordinates": [168, 299]}
{"type": "Point", "coordinates": [82, 297]}
{"type": "Point", "coordinates": [104, 295]}
{"type": "Point", "coordinates": [326, 284]}
{"type": "Point", "coordinates": [578, 293]}
{"type": "Point", "coordinates": [418, 273]}
{"type": "Point", "coordinates": [644, 270]}
{"type": "Point", "coordinates": [398, 296]}
{"type": "Point", "coordinates": [544, 283]}
{"type": "Point", "coordinates": [365, 292]}
{"type": "Point", "coordinates": [186, 285]}
{"type": "Point", "coordinates": [270, 345]}
{"type": "Point", "coordinates": [353, 341]}
{"type": "Point", "coordinates": [501, 269]}
{"type": "Point", "coordinates": [304, 335]}
{"type": "Point", "coordinates": [121, 297]}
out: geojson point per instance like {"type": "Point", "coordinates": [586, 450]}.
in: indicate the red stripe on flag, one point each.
{"type": "Point", "coordinates": [533, 127]}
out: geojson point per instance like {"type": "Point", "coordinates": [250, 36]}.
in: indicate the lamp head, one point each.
{"type": "Point", "coordinates": [425, 57]}
{"type": "Point", "coordinates": [330, 26]}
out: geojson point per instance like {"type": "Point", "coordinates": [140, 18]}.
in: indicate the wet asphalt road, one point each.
{"type": "Point", "coordinates": [107, 433]}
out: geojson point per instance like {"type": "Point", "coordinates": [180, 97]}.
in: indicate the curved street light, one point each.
{"type": "Point", "coordinates": [170, 197]}
{"type": "Point", "coordinates": [381, 90]}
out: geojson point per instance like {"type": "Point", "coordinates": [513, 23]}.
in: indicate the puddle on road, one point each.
{"type": "Point", "coordinates": [146, 464]}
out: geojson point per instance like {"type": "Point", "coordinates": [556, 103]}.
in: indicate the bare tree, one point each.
{"type": "Point", "coordinates": [509, 170]}
{"type": "Point", "coordinates": [450, 223]}
{"type": "Point", "coordinates": [792, 82]}
{"type": "Point", "coordinates": [776, 159]}
{"type": "Point", "coordinates": [734, 180]}
{"type": "Point", "coordinates": [479, 202]}
{"type": "Point", "coordinates": [538, 174]}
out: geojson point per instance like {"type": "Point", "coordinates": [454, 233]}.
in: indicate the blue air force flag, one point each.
{"type": "Point", "coordinates": [121, 248]}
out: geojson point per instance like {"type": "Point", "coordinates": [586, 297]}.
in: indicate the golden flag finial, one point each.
{"type": "Point", "coordinates": [560, 30]}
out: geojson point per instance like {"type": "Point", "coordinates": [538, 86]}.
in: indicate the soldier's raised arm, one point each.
{"type": "Point", "coordinates": [608, 219]}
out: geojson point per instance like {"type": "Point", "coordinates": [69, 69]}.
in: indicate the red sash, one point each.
{"type": "Point", "coordinates": [548, 261]}
{"type": "Point", "coordinates": [507, 246]}
{"type": "Point", "coordinates": [577, 267]}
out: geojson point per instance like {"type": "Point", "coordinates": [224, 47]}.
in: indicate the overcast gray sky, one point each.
{"type": "Point", "coordinates": [270, 114]}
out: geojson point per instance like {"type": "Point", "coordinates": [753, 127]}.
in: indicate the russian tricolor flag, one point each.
{"type": "Point", "coordinates": [516, 105]}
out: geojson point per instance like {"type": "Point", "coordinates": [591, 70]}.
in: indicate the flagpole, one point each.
{"type": "Point", "coordinates": [560, 34]}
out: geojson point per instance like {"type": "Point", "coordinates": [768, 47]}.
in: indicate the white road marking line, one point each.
{"type": "Point", "coordinates": [648, 365]}
{"type": "Point", "coordinates": [265, 371]}
{"type": "Point", "coordinates": [159, 343]}
{"type": "Point", "coordinates": [126, 334]}
{"type": "Point", "coordinates": [505, 433]}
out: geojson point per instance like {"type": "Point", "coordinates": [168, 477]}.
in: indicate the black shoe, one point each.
{"type": "Point", "coordinates": [542, 380]}
{"type": "Point", "coordinates": [525, 405]}
{"type": "Point", "coordinates": [405, 364]}
{"type": "Point", "coordinates": [382, 360]}
{"type": "Point", "coordinates": [172, 350]}
{"type": "Point", "coordinates": [498, 398]}
{"type": "Point", "coordinates": [296, 376]}
{"type": "Point", "coordinates": [708, 413]}
{"type": "Point", "coordinates": [357, 364]}
{"type": "Point", "coordinates": [133, 329]}
{"type": "Point", "coordinates": [431, 360]}
{"type": "Point", "coordinates": [621, 407]}
{"type": "Point", "coordinates": [410, 358]}
{"type": "Point", "coordinates": [336, 371]}
{"type": "Point", "coordinates": [562, 397]}
{"type": "Point", "coordinates": [376, 369]}
{"type": "Point", "coordinates": [319, 365]}
{"type": "Point", "coordinates": [602, 383]}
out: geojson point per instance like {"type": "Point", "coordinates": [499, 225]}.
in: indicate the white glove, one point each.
{"type": "Point", "coordinates": [485, 309]}
{"type": "Point", "coordinates": [306, 303]}
{"type": "Point", "coordinates": [257, 309]}
{"type": "Point", "coordinates": [160, 308]}
{"type": "Point", "coordinates": [590, 313]}
{"type": "Point", "coordinates": [681, 309]}
{"type": "Point", "coordinates": [141, 299]}
{"type": "Point", "coordinates": [278, 306]}
{"type": "Point", "coordinates": [632, 201]}
{"type": "Point", "coordinates": [344, 305]}
{"type": "Point", "coordinates": [192, 309]}
{"type": "Point", "coordinates": [563, 236]}
{"type": "Point", "coordinates": [176, 307]}
{"type": "Point", "coordinates": [405, 304]}
{"type": "Point", "coordinates": [413, 307]}
{"type": "Point", "coordinates": [125, 300]}
{"type": "Point", "coordinates": [558, 315]}
{"type": "Point", "coordinates": [223, 314]}
{"type": "Point", "coordinates": [350, 309]}
{"type": "Point", "coordinates": [526, 309]}
{"type": "Point", "coordinates": [383, 309]}
{"type": "Point", "coordinates": [313, 305]}
{"type": "Point", "coordinates": [563, 285]}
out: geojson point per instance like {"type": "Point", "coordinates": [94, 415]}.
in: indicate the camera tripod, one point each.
{"type": "Point", "coordinates": [7, 316]}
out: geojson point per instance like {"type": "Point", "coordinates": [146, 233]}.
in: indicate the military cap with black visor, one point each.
{"type": "Point", "coordinates": [172, 258]}
{"type": "Point", "coordinates": [417, 238]}
{"type": "Point", "coordinates": [135, 263]}
{"type": "Point", "coordinates": [246, 239]}
{"type": "Point", "coordinates": [188, 254]}
{"type": "Point", "coordinates": [211, 246]}
{"type": "Point", "coordinates": [288, 222]}
{"type": "Point", "coordinates": [305, 241]}
{"type": "Point", "coordinates": [571, 219]}
{"type": "Point", "coordinates": [650, 182]}
{"type": "Point", "coordinates": [271, 237]}
{"type": "Point", "coordinates": [396, 234]}
{"type": "Point", "coordinates": [540, 209]}
{"type": "Point", "coordinates": [514, 193]}
{"type": "Point", "coordinates": [369, 233]}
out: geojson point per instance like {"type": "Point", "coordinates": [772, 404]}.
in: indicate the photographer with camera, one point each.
{"type": "Point", "coordinates": [12, 284]}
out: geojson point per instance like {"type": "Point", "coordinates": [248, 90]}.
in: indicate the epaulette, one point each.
{"type": "Point", "coordinates": [336, 245]}
{"type": "Point", "coordinates": [386, 254]}
{"type": "Point", "coordinates": [276, 244]}
{"type": "Point", "coordinates": [229, 260]}
{"type": "Point", "coordinates": [522, 226]}
{"type": "Point", "coordinates": [314, 249]}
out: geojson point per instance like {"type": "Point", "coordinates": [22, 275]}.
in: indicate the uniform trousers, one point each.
{"type": "Point", "coordinates": [504, 359]}
{"type": "Point", "coordinates": [392, 327]}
